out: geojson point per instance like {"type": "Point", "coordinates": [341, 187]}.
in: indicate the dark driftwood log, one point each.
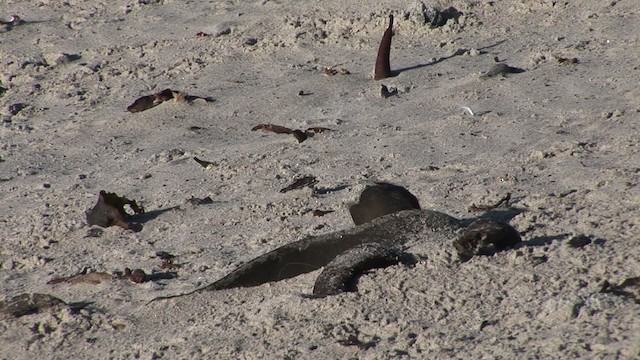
{"type": "Point", "coordinates": [342, 273]}
{"type": "Point", "coordinates": [313, 252]}
{"type": "Point", "coordinates": [383, 67]}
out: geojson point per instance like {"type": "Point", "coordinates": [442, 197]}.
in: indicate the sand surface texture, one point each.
{"type": "Point", "coordinates": [562, 137]}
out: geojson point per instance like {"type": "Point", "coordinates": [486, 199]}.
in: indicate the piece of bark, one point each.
{"type": "Point", "coordinates": [383, 66]}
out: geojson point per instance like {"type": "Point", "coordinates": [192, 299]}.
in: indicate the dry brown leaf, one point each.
{"type": "Point", "coordinates": [109, 211]}
{"type": "Point", "coordinates": [306, 181]}
{"type": "Point", "coordinates": [272, 128]}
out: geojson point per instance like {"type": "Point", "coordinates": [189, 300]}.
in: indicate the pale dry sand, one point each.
{"type": "Point", "coordinates": [562, 139]}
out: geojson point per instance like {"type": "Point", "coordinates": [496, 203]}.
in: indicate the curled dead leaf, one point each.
{"type": "Point", "coordinates": [109, 211]}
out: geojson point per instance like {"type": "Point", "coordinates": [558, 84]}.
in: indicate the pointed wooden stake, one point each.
{"type": "Point", "coordinates": [383, 67]}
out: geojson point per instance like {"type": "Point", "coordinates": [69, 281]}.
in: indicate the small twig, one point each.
{"type": "Point", "coordinates": [504, 200]}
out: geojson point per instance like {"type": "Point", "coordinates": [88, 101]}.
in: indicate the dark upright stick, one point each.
{"type": "Point", "coordinates": [383, 68]}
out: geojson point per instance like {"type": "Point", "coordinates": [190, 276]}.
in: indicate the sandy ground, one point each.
{"type": "Point", "coordinates": [561, 138]}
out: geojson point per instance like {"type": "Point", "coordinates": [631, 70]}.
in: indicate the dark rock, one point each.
{"type": "Point", "coordinates": [382, 199]}
{"type": "Point", "coordinates": [485, 237]}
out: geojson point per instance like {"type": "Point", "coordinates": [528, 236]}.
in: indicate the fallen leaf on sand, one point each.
{"type": "Point", "coordinates": [109, 211]}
